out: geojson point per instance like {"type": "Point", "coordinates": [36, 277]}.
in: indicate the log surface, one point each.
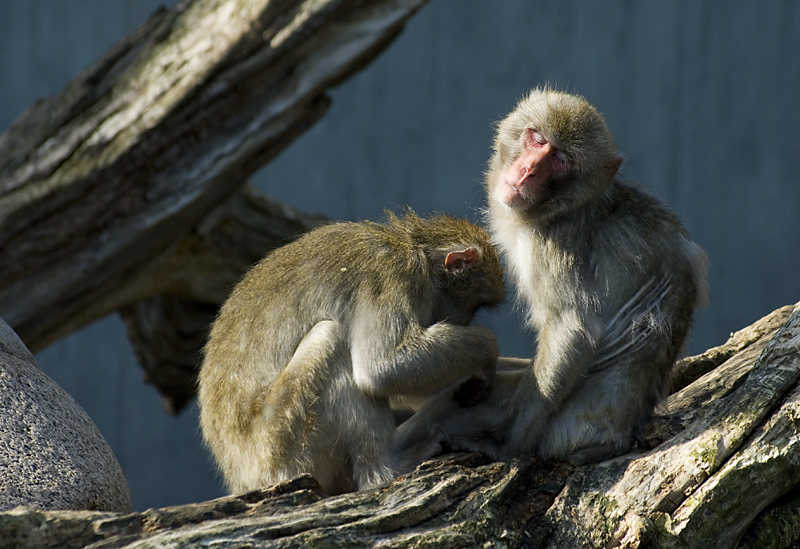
{"type": "Point", "coordinates": [720, 468]}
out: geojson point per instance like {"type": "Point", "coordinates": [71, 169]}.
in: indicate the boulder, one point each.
{"type": "Point", "coordinates": [52, 456]}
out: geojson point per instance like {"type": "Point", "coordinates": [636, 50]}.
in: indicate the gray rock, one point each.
{"type": "Point", "coordinates": [51, 454]}
{"type": "Point", "coordinates": [11, 344]}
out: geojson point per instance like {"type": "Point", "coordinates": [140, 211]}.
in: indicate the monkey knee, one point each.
{"type": "Point", "coordinates": [438, 440]}
{"type": "Point", "coordinates": [433, 443]}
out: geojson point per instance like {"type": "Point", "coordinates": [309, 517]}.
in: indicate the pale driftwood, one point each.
{"type": "Point", "coordinates": [103, 179]}
{"type": "Point", "coordinates": [689, 369]}
{"type": "Point", "coordinates": [720, 469]}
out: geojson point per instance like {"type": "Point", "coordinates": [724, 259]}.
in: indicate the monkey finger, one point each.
{"type": "Point", "coordinates": [414, 446]}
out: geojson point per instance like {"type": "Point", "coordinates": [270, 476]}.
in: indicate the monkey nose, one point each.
{"type": "Point", "coordinates": [524, 174]}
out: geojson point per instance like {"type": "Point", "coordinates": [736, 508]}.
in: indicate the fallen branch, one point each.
{"type": "Point", "coordinates": [192, 279]}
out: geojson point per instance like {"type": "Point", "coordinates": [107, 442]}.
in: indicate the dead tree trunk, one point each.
{"type": "Point", "coordinates": [109, 191]}
{"type": "Point", "coordinates": [721, 469]}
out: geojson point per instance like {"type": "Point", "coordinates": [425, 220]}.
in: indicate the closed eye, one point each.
{"type": "Point", "coordinates": [538, 138]}
{"type": "Point", "coordinates": [562, 157]}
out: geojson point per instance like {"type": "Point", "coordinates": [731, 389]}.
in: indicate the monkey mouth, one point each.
{"type": "Point", "coordinates": [509, 193]}
{"type": "Point", "coordinates": [515, 195]}
{"type": "Point", "coordinates": [531, 193]}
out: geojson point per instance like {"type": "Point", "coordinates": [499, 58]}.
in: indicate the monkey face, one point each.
{"type": "Point", "coordinates": [529, 179]}
{"type": "Point", "coordinates": [552, 154]}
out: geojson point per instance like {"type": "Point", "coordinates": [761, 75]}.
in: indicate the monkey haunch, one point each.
{"type": "Point", "coordinates": [320, 336]}
{"type": "Point", "coordinates": [609, 280]}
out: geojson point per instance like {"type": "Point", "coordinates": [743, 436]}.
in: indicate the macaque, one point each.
{"type": "Point", "coordinates": [609, 281]}
{"type": "Point", "coordinates": [326, 336]}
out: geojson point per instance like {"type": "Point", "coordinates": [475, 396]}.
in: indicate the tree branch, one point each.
{"type": "Point", "coordinates": [192, 279]}
{"type": "Point", "coordinates": [104, 178]}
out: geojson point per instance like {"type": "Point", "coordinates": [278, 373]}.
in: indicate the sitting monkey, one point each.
{"type": "Point", "coordinates": [609, 280]}
{"type": "Point", "coordinates": [326, 335]}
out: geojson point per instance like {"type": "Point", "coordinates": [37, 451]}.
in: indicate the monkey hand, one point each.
{"type": "Point", "coordinates": [471, 392]}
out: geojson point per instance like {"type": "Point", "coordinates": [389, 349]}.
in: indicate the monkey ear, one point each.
{"type": "Point", "coordinates": [613, 166]}
{"type": "Point", "coordinates": [458, 260]}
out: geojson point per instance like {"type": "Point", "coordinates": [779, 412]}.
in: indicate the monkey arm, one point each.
{"type": "Point", "coordinates": [412, 360]}
{"type": "Point", "coordinates": [566, 348]}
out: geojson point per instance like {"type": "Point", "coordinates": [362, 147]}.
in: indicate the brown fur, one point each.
{"type": "Point", "coordinates": [321, 337]}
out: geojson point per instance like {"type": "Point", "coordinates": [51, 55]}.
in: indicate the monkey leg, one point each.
{"type": "Point", "coordinates": [357, 432]}
{"type": "Point", "coordinates": [601, 417]}
{"type": "Point", "coordinates": [284, 437]}
{"type": "Point", "coordinates": [333, 429]}
{"type": "Point", "coordinates": [587, 433]}
{"type": "Point", "coordinates": [482, 427]}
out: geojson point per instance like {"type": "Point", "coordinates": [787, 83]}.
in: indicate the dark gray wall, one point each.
{"type": "Point", "coordinates": [703, 96]}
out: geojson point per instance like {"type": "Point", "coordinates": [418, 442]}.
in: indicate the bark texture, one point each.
{"type": "Point", "coordinates": [720, 468]}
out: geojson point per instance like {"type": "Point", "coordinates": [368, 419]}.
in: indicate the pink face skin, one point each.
{"type": "Point", "coordinates": [525, 182]}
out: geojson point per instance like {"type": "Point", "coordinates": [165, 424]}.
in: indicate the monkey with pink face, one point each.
{"type": "Point", "coordinates": [608, 278]}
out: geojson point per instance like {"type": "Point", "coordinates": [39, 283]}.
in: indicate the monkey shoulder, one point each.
{"type": "Point", "coordinates": [635, 218]}
{"type": "Point", "coordinates": [636, 204]}
{"type": "Point", "coordinates": [638, 233]}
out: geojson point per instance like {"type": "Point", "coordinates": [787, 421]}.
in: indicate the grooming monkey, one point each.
{"type": "Point", "coordinates": [325, 336]}
{"type": "Point", "coordinates": [609, 281]}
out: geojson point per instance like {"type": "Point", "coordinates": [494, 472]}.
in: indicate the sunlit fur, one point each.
{"type": "Point", "coordinates": [317, 339]}
{"type": "Point", "coordinates": [609, 282]}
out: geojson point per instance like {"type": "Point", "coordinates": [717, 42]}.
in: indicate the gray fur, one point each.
{"type": "Point", "coordinates": [607, 276]}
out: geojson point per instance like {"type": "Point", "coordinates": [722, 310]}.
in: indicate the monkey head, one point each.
{"type": "Point", "coordinates": [551, 154]}
{"type": "Point", "coordinates": [462, 261]}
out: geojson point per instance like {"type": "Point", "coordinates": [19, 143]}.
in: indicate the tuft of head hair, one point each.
{"type": "Point", "coordinates": [568, 121]}
{"type": "Point", "coordinates": [439, 232]}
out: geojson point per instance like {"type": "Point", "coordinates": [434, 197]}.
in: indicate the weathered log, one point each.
{"type": "Point", "coordinates": [691, 368]}
{"type": "Point", "coordinates": [720, 469]}
{"type": "Point", "coordinates": [103, 179]}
